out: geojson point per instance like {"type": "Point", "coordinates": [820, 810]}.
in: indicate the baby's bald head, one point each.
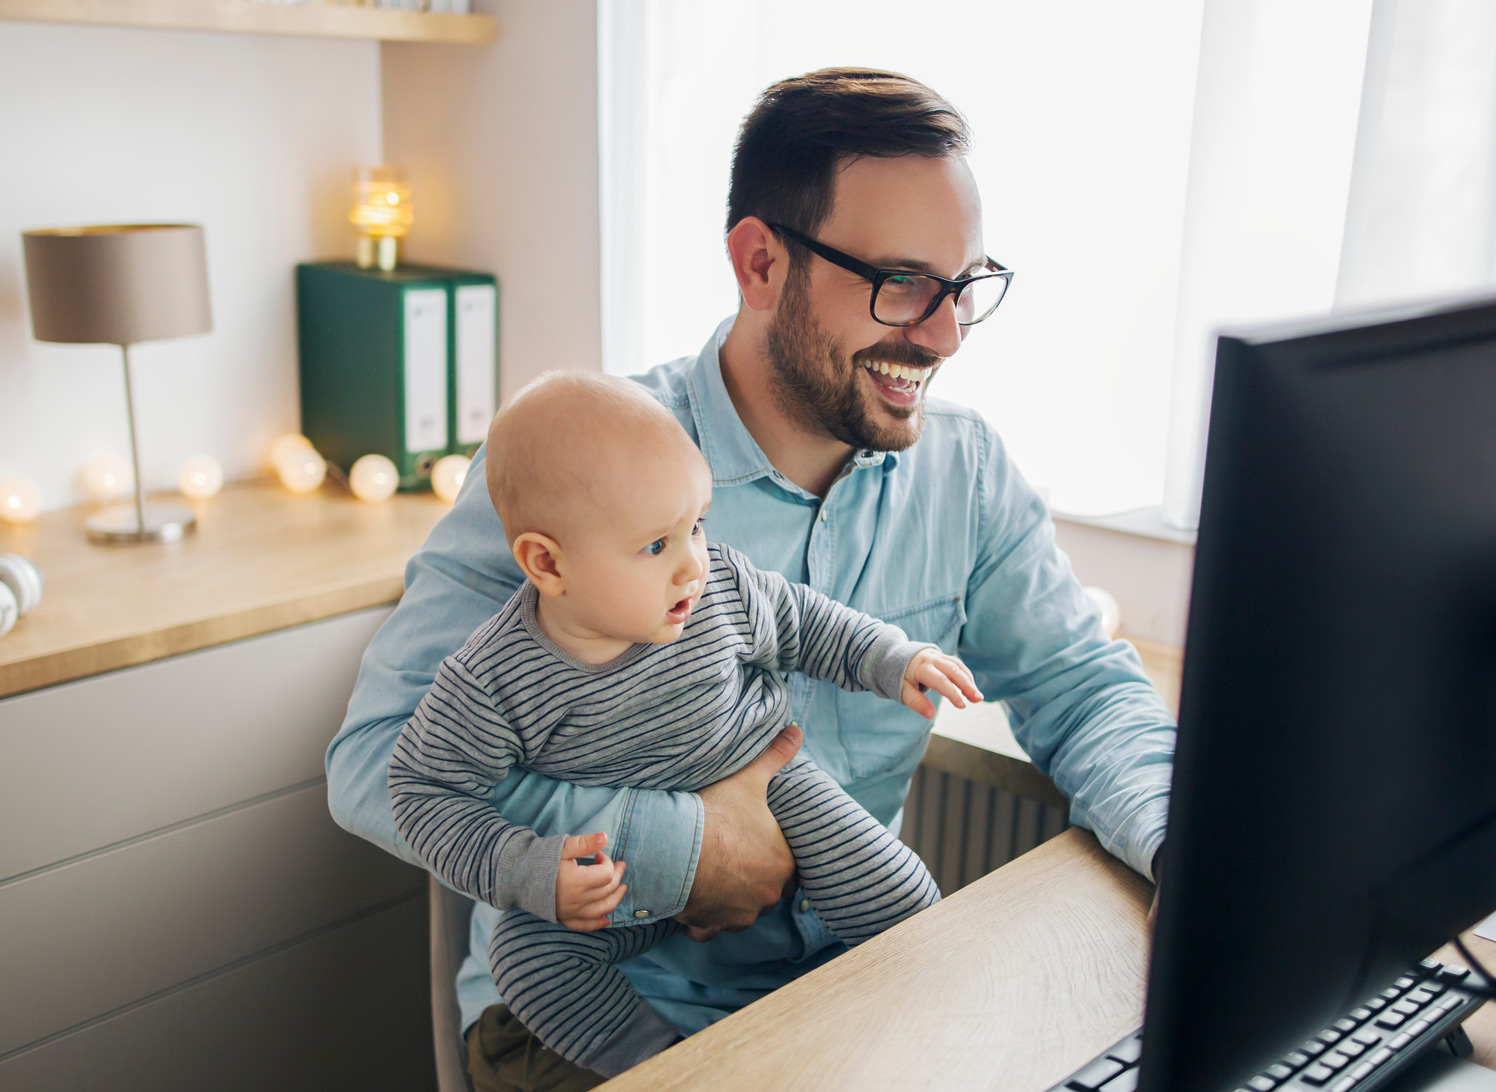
{"type": "Point", "coordinates": [560, 452]}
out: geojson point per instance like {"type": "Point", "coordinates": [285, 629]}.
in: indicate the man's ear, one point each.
{"type": "Point", "coordinates": [759, 261]}
{"type": "Point", "coordinates": [539, 559]}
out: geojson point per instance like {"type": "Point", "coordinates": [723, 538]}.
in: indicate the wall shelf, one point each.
{"type": "Point", "coordinates": [254, 17]}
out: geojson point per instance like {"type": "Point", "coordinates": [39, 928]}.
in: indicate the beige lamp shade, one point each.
{"type": "Point", "coordinates": [117, 283]}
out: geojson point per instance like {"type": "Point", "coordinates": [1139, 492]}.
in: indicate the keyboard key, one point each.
{"type": "Point", "coordinates": [1346, 1024]}
{"type": "Point", "coordinates": [1390, 994]}
{"type": "Point", "coordinates": [1367, 1037]}
{"type": "Point", "coordinates": [1417, 1028]}
{"type": "Point", "coordinates": [1404, 983]}
{"type": "Point", "coordinates": [1361, 1015]}
{"type": "Point", "coordinates": [1345, 1084]}
{"type": "Point", "coordinates": [1420, 996]}
{"type": "Point", "coordinates": [1126, 1081]}
{"type": "Point", "coordinates": [1351, 1049]}
{"type": "Point", "coordinates": [1429, 966]}
{"type": "Point", "coordinates": [1329, 1036]}
{"type": "Point", "coordinates": [1433, 986]}
{"type": "Point", "coordinates": [1278, 1071]}
{"type": "Point", "coordinates": [1362, 1071]}
{"type": "Point", "coordinates": [1378, 1057]}
{"type": "Point", "coordinates": [1128, 1050]}
{"type": "Point", "coordinates": [1453, 972]}
{"type": "Point", "coordinates": [1262, 1083]}
{"type": "Point", "coordinates": [1096, 1074]}
{"type": "Point", "coordinates": [1449, 1004]}
{"type": "Point", "coordinates": [1400, 1040]}
{"type": "Point", "coordinates": [1296, 1058]}
{"type": "Point", "coordinates": [1317, 1074]}
{"type": "Point", "coordinates": [1407, 1008]}
{"type": "Point", "coordinates": [1335, 1060]}
{"type": "Point", "coordinates": [1377, 1003]}
{"type": "Point", "coordinates": [1314, 1048]}
{"type": "Point", "coordinates": [1390, 1019]}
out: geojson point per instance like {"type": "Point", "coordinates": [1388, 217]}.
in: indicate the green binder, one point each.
{"type": "Point", "coordinates": [402, 364]}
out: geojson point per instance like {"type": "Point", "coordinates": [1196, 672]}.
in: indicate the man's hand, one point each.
{"type": "Point", "coordinates": [745, 865]}
{"type": "Point", "coordinates": [946, 674]}
{"type": "Point", "coordinates": [587, 893]}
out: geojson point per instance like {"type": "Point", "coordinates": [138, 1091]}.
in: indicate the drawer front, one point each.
{"type": "Point", "coordinates": [87, 937]}
{"type": "Point", "coordinates": [344, 1009]}
{"type": "Point", "coordinates": [91, 763]}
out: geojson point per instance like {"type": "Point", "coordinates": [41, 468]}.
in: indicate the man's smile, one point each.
{"type": "Point", "coordinates": [901, 383]}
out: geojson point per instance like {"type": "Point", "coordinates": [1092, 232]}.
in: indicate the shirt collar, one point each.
{"type": "Point", "coordinates": [731, 451]}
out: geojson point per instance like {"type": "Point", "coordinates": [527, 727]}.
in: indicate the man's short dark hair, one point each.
{"type": "Point", "coordinates": [803, 129]}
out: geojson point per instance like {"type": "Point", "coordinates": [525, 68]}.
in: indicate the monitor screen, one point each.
{"type": "Point", "coordinates": [1333, 816]}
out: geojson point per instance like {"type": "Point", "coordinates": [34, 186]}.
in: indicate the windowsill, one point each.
{"type": "Point", "coordinates": [1142, 522]}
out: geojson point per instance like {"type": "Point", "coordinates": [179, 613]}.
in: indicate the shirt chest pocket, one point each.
{"type": "Point", "coordinates": [879, 735]}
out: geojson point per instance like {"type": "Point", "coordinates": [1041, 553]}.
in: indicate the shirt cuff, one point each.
{"type": "Point", "coordinates": [659, 838]}
{"type": "Point", "coordinates": [528, 865]}
{"type": "Point", "coordinates": [892, 662]}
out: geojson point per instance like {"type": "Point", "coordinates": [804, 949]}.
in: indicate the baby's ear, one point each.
{"type": "Point", "coordinates": [537, 556]}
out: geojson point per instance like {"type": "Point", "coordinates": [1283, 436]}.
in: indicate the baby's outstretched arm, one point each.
{"type": "Point", "coordinates": [931, 668]}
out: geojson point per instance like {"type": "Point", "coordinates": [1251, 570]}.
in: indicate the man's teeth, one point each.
{"type": "Point", "coordinates": [896, 371]}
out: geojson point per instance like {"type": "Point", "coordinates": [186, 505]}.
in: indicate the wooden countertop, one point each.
{"type": "Point", "coordinates": [1012, 983]}
{"type": "Point", "coordinates": [260, 559]}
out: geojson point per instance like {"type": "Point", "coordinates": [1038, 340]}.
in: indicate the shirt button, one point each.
{"type": "Point", "coordinates": [804, 906]}
{"type": "Point", "coordinates": [823, 515]}
{"type": "Point", "coordinates": [641, 913]}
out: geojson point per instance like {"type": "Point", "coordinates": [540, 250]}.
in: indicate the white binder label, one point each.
{"type": "Point", "coordinates": [426, 369]}
{"type": "Point", "coordinates": [477, 355]}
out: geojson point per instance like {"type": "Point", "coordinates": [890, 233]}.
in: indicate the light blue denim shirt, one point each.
{"type": "Point", "coordinates": [944, 539]}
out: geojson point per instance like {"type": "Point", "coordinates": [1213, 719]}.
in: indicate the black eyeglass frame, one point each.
{"type": "Point", "coordinates": [876, 277]}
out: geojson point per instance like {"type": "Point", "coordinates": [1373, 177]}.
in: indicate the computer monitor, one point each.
{"type": "Point", "coordinates": [1333, 815]}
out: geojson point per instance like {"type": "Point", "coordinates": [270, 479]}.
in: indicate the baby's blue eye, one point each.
{"type": "Point", "coordinates": [656, 547]}
{"type": "Point", "coordinates": [696, 528]}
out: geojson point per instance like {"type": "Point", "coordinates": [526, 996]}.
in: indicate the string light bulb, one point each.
{"type": "Point", "coordinates": [283, 445]}
{"type": "Point", "coordinates": [199, 477]}
{"type": "Point", "coordinates": [107, 477]}
{"type": "Point", "coordinates": [448, 475]}
{"type": "Point", "coordinates": [1111, 610]}
{"type": "Point", "coordinates": [373, 478]}
{"type": "Point", "coordinates": [20, 500]}
{"type": "Point", "coordinates": [301, 469]}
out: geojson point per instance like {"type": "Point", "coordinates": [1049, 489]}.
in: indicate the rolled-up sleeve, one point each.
{"type": "Point", "coordinates": [1078, 702]}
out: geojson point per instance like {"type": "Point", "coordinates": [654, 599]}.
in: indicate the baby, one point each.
{"type": "Point", "coordinates": [636, 654]}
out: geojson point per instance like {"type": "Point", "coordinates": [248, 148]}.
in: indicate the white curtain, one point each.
{"type": "Point", "coordinates": [1151, 171]}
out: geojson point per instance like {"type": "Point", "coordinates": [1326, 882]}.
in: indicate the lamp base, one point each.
{"type": "Point", "coordinates": [118, 526]}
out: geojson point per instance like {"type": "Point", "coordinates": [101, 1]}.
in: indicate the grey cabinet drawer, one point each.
{"type": "Point", "coordinates": [92, 763]}
{"type": "Point", "coordinates": [344, 1009]}
{"type": "Point", "coordinates": [87, 937]}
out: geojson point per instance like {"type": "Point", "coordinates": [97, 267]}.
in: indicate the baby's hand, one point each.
{"type": "Point", "coordinates": [931, 667]}
{"type": "Point", "coordinates": [587, 893]}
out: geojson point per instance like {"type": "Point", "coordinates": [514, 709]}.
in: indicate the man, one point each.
{"type": "Point", "coordinates": [855, 234]}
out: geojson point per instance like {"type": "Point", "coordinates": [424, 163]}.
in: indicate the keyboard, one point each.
{"type": "Point", "coordinates": [1359, 1052]}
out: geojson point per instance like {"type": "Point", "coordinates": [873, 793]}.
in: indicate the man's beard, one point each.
{"type": "Point", "coordinates": [814, 384]}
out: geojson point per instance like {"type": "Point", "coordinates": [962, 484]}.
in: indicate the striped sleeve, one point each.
{"type": "Point", "coordinates": [799, 629]}
{"type": "Point", "coordinates": [448, 759]}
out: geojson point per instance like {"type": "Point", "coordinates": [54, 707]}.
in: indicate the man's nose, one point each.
{"type": "Point", "coordinates": [941, 334]}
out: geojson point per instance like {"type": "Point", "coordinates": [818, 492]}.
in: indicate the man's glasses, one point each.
{"type": "Point", "coordinates": [904, 298]}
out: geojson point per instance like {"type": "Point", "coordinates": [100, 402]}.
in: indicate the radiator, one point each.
{"type": "Point", "coordinates": [964, 829]}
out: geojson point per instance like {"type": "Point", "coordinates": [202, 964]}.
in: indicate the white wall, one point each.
{"type": "Point", "coordinates": [501, 143]}
{"type": "Point", "coordinates": [251, 136]}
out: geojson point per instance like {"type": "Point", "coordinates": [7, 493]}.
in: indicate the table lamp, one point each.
{"type": "Point", "coordinates": [383, 212]}
{"type": "Point", "coordinates": [121, 284]}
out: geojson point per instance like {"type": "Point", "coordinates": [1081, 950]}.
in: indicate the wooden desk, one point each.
{"type": "Point", "coordinates": [1012, 983]}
